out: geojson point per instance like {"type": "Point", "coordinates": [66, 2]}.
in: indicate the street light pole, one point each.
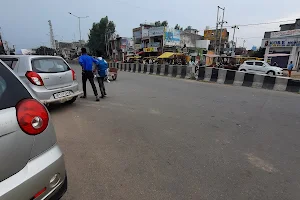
{"type": "Point", "coordinates": [222, 22]}
{"type": "Point", "coordinates": [233, 46]}
{"type": "Point", "coordinates": [79, 24]}
{"type": "Point", "coordinates": [216, 32]}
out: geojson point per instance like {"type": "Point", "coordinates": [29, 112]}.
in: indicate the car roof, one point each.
{"type": "Point", "coordinates": [29, 56]}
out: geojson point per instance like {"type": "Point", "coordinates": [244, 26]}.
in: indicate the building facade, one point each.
{"type": "Point", "coordinates": [120, 47]}
{"type": "Point", "coordinates": [283, 46]}
{"type": "Point", "coordinates": [150, 40]}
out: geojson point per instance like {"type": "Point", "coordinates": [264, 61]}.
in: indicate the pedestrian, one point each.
{"type": "Point", "coordinates": [102, 68]}
{"type": "Point", "coordinates": [86, 63]}
{"type": "Point", "coordinates": [290, 68]}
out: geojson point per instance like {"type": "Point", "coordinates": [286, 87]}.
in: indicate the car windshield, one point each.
{"type": "Point", "coordinates": [49, 65]}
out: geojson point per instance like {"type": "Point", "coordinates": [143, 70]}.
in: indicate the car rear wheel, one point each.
{"type": "Point", "coordinates": [271, 73]}
{"type": "Point", "coordinates": [72, 100]}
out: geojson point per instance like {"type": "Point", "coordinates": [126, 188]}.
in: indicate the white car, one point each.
{"type": "Point", "coordinates": [260, 67]}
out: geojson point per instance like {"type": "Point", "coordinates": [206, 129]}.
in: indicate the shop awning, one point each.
{"type": "Point", "coordinates": [277, 55]}
{"type": "Point", "coordinates": [166, 55]}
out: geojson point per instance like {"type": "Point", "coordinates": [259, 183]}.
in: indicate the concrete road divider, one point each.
{"type": "Point", "coordinates": [217, 75]}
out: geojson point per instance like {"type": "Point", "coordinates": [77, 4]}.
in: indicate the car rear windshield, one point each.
{"type": "Point", "coordinates": [9, 84]}
{"type": "Point", "coordinates": [49, 65]}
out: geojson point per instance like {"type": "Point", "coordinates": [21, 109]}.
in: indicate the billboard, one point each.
{"type": "Point", "coordinates": [211, 34]}
{"type": "Point", "coordinates": [281, 42]}
{"type": "Point", "coordinates": [171, 37]}
{"type": "Point", "coordinates": [285, 33]}
{"type": "Point", "coordinates": [145, 32]}
{"type": "Point", "coordinates": [156, 31]}
{"type": "Point", "coordinates": [137, 33]}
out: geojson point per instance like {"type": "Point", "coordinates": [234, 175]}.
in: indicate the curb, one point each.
{"type": "Point", "coordinates": [215, 75]}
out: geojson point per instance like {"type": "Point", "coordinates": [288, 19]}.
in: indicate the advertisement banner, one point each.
{"type": "Point", "coordinates": [150, 49]}
{"type": "Point", "coordinates": [172, 37]}
{"type": "Point", "coordinates": [153, 44]}
{"type": "Point", "coordinates": [137, 33]}
{"type": "Point", "coordinates": [156, 31]}
{"type": "Point", "coordinates": [137, 46]}
{"type": "Point", "coordinates": [284, 42]}
{"type": "Point", "coordinates": [211, 34]}
{"type": "Point", "coordinates": [124, 43]}
{"type": "Point", "coordinates": [145, 32]}
{"type": "Point", "coordinates": [285, 33]}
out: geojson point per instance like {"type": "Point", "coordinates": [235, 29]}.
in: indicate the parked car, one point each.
{"type": "Point", "coordinates": [49, 77]}
{"type": "Point", "coordinates": [260, 67]}
{"type": "Point", "coordinates": [31, 163]}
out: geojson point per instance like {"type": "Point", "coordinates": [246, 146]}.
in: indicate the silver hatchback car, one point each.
{"type": "Point", "coordinates": [50, 77]}
{"type": "Point", "coordinates": [31, 163]}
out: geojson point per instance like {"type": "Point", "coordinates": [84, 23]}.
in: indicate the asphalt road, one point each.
{"type": "Point", "coordinates": [163, 138]}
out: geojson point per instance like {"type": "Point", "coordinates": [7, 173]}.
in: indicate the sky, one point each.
{"type": "Point", "coordinates": [25, 23]}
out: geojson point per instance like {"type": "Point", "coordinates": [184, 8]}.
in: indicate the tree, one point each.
{"type": "Point", "coordinates": [42, 50]}
{"type": "Point", "coordinates": [260, 53]}
{"type": "Point", "coordinates": [157, 23]}
{"type": "Point", "coordinates": [188, 28]}
{"type": "Point", "coordinates": [177, 27]}
{"type": "Point", "coordinates": [164, 23]}
{"type": "Point", "coordinates": [99, 34]}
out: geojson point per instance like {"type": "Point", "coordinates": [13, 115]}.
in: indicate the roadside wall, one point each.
{"type": "Point", "coordinates": [215, 75]}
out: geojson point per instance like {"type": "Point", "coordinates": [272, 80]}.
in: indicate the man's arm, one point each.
{"type": "Point", "coordinates": [95, 61]}
{"type": "Point", "coordinates": [80, 61]}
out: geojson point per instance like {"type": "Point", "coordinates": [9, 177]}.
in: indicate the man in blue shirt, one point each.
{"type": "Point", "coordinates": [86, 63]}
{"type": "Point", "coordinates": [290, 68]}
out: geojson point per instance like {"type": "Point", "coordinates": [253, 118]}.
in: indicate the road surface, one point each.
{"type": "Point", "coordinates": [169, 139]}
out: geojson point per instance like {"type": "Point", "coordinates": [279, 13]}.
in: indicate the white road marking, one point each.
{"type": "Point", "coordinates": [260, 163]}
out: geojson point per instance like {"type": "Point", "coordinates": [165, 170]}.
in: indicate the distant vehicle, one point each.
{"type": "Point", "coordinates": [50, 77]}
{"type": "Point", "coordinates": [32, 164]}
{"type": "Point", "coordinates": [260, 67]}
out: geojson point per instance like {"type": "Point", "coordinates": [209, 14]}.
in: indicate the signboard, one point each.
{"type": "Point", "coordinates": [172, 37]}
{"type": "Point", "coordinates": [137, 46]}
{"type": "Point", "coordinates": [145, 32]}
{"type": "Point", "coordinates": [211, 34]}
{"type": "Point", "coordinates": [150, 49]}
{"type": "Point", "coordinates": [137, 33]}
{"type": "Point", "coordinates": [124, 43]}
{"type": "Point", "coordinates": [283, 42]}
{"type": "Point", "coordinates": [285, 33]}
{"type": "Point", "coordinates": [153, 44]}
{"type": "Point", "coordinates": [156, 31]}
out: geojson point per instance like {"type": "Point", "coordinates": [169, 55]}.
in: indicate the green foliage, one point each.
{"type": "Point", "coordinates": [42, 50]}
{"type": "Point", "coordinates": [188, 28]}
{"type": "Point", "coordinates": [99, 34]}
{"type": "Point", "coordinates": [259, 53]}
{"type": "Point", "coordinates": [177, 27]}
{"type": "Point", "coordinates": [164, 23]}
{"type": "Point", "coordinates": [157, 23]}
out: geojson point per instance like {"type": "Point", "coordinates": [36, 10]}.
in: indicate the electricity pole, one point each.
{"type": "Point", "coordinates": [222, 22]}
{"type": "Point", "coordinates": [216, 32]}
{"type": "Point", "coordinates": [233, 45]}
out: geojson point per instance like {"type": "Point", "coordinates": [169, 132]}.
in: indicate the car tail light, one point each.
{"type": "Point", "coordinates": [32, 116]}
{"type": "Point", "coordinates": [34, 78]}
{"type": "Point", "coordinates": [73, 75]}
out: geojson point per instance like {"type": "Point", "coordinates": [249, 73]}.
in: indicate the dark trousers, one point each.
{"type": "Point", "coordinates": [88, 75]}
{"type": "Point", "coordinates": [101, 85]}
